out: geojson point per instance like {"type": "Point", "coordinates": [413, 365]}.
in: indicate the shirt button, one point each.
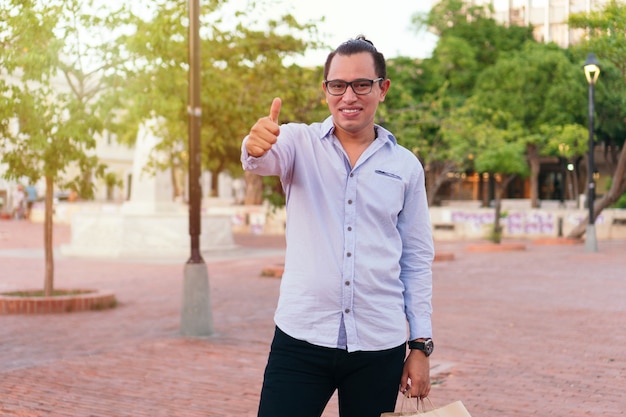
{"type": "Point", "coordinates": [352, 174]}
{"type": "Point", "coordinates": [349, 254]}
{"type": "Point", "coordinates": [349, 228]}
{"type": "Point", "coordinates": [347, 310]}
{"type": "Point", "coordinates": [349, 201]}
{"type": "Point", "coordinates": [348, 283]}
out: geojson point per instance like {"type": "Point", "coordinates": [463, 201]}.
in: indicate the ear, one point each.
{"type": "Point", "coordinates": [384, 88]}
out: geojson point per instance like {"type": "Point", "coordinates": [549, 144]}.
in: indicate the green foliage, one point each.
{"type": "Point", "coordinates": [242, 69]}
{"type": "Point", "coordinates": [455, 62]}
{"type": "Point", "coordinates": [606, 37]}
{"type": "Point", "coordinates": [606, 32]}
{"type": "Point", "coordinates": [58, 65]}
{"type": "Point", "coordinates": [565, 141]}
{"type": "Point", "coordinates": [424, 96]}
{"type": "Point", "coordinates": [473, 24]}
{"type": "Point", "coordinates": [52, 94]}
{"type": "Point", "coordinates": [537, 85]}
{"type": "Point", "coordinates": [503, 158]}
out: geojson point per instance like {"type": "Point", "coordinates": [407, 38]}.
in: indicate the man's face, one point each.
{"type": "Point", "coordinates": [353, 113]}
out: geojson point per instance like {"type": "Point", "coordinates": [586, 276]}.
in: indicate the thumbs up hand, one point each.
{"type": "Point", "coordinates": [264, 133]}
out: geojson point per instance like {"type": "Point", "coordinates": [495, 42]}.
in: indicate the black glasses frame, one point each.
{"type": "Point", "coordinates": [351, 84]}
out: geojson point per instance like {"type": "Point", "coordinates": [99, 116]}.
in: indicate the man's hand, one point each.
{"type": "Point", "coordinates": [417, 371]}
{"type": "Point", "coordinates": [264, 133]}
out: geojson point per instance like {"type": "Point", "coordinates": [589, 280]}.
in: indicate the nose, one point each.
{"type": "Point", "coordinates": [349, 95]}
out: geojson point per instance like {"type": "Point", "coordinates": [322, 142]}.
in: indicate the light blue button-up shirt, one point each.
{"type": "Point", "coordinates": [359, 240]}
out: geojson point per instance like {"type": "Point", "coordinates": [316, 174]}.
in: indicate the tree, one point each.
{"type": "Point", "coordinates": [243, 67]}
{"type": "Point", "coordinates": [423, 94]}
{"type": "Point", "coordinates": [491, 139]}
{"type": "Point", "coordinates": [606, 38]}
{"type": "Point", "coordinates": [540, 87]}
{"type": "Point", "coordinates": [470, 40]}
{"type": "Point", "coordinates": [53, 99]}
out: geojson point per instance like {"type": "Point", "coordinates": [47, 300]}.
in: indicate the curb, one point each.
{"type": "Point", "coordinates": [558, 241]}
{"type": "Point", "coordinates": [495, 247]}
{"type": "Point", "coordinates": [443, 256]}
{"type": "Point", "coordinates": [86, 300]}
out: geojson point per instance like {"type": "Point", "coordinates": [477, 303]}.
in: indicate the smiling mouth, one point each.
{"type": "Point", "coordinates": [350, 111]}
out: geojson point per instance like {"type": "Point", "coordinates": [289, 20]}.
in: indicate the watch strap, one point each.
{"type": "Point", "coordinates": [425, 346]}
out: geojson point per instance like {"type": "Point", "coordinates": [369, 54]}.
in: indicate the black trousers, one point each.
{"type": "Point", "coordinates": [300, 378]}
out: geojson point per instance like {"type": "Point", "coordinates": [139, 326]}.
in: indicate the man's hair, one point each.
{"type": "Point", "coordinates": [355, 46]}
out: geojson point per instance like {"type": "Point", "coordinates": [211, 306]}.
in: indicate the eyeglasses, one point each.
{"type": "Point", "coordinates": [360, 86]}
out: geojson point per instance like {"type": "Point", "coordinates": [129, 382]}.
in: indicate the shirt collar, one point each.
{"type": "Point", "coordinates": [328, 127]}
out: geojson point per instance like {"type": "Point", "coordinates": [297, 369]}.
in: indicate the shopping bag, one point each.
{"type": "Point", "coordinates": [455, 409]}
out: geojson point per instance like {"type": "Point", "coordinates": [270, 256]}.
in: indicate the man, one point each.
{"type": "Point", "coordinates": [359, 251]}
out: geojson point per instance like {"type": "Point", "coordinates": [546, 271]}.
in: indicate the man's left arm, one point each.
{"type": "Point", "coordinates": [416, 274]}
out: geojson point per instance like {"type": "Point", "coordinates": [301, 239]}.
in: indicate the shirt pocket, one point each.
{"type": "Point", "coordinates": [387, 189]}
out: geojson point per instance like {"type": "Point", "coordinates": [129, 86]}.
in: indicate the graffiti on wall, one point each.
{"type": "Point", "coordinates": [518, 223]}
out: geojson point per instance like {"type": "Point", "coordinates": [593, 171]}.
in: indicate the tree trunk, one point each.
{"type": "Point", "coordinates": [254, 189]}
{"type": "Point", "coordinates": [496, 236]}
{"type": "Point", "coordinates": [437, 177]}
{"type": "Point", "coordinates": [571, 185]}
{"type": "Point", "coordinates": [618, 187]}
{"type": "Point", "coordinates": [215, 177]}
{"type": "Point", "coordinates": [49, 278]}
{"type": "Point", "coordinates": [497, 227]}
{"type": "Point", "coordinates": [176, 183]}
{"type": "Point", "coordinates": [535, 167]}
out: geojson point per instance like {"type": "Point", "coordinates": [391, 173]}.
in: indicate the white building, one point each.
{"type": "Point", "coordinates": [548, 17]}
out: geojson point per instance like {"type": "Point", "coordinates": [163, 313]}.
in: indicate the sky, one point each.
{"type": "Point", "coordinates": [386, 23]}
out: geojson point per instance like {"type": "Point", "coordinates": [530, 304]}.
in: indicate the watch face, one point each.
{"type": "Point", "coordinates": [429, 346]}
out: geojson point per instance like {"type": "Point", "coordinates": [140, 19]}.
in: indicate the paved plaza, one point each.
{"type": "Point", "coordinates": [538, 332]}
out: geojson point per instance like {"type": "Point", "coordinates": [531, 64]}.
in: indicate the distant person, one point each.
{"type": "Point", "coordinates": [357, 282]}
{"type": "Point", "coordinates": [18, 201]}
{"type": "Point", "coordinates": [31, 199]}
{"type": "Point", "coordinates": [72, 196]}
{"type": "Point", "coordinates": [239, 190]}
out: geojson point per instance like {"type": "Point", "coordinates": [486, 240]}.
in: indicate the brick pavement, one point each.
{"type": "Point", "coordinates": [536, 332]}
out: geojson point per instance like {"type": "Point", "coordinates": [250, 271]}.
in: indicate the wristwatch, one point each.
{"type": "Point", "coordinates": [425, 345]}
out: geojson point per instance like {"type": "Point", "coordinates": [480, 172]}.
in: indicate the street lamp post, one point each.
{"type": "Point", "coordinates": [592, 72]}
{"type": "Point", "coordinates": [196, 318]}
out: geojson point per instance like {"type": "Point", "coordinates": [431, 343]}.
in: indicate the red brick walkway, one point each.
{"type": "Point", "coordinates": [535, 332]}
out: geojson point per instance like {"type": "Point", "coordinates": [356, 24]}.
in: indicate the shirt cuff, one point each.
{"type": "Point", "coordinates": [420, 328]}
{"type": "Point", "coordinates": [247, 161]}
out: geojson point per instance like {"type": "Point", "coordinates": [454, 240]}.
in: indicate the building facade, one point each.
{"type": "Point", "coordinates": [547, 17]}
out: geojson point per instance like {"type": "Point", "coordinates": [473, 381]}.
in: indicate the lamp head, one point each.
{"type": "Point", "coordinates": [592, 68]}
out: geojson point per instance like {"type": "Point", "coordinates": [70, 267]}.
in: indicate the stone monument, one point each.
{"type": "Point", "coordinates": [150, 224]}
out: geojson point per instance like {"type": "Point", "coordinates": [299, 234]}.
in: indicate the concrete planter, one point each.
{"type": "Point", "coordinates": [76, 300]}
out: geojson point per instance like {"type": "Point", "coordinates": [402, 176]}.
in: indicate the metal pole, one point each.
{"type": "Point", "coordinates": [196, 318]}
{"type": "Point", "coordinates": [591, 243]}
{"type": "Point", "coordinates": [195, 120]}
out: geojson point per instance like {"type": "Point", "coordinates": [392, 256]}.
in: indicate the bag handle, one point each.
{"type": "Point", "coordinates": [423, 402]}
{"type": "Point", "coordinates": [406, 398]}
